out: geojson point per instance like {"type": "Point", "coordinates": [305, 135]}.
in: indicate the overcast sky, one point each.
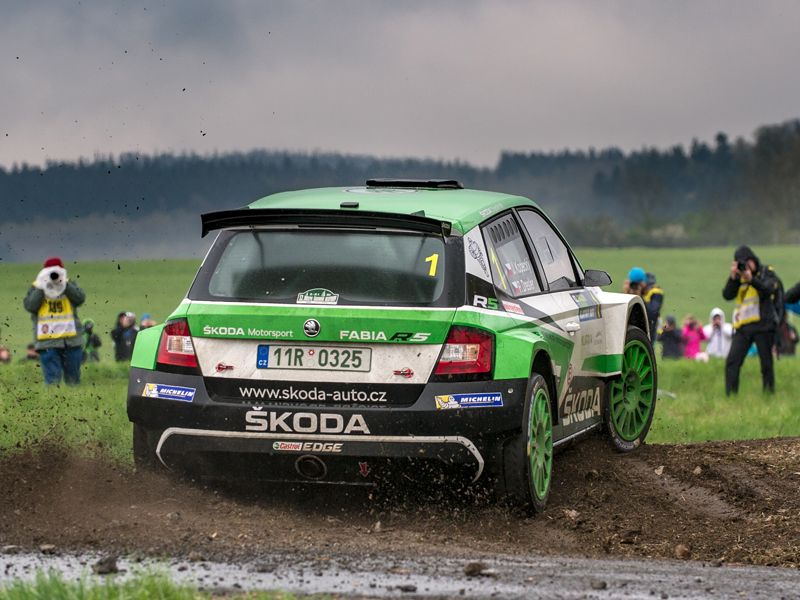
{"type": "Point", "coordinates": [459, 79]}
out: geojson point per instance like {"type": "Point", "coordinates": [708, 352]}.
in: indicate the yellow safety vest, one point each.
{"type": "Point", "coordinates": [748, 306]}
{"type": "Point", "coordinates": [649, 293]}
{"type": "Point", "coordinates": [56, 319]}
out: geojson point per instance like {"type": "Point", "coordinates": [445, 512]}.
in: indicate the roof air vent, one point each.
{"type": "Point", "coordinates": [435, 184]}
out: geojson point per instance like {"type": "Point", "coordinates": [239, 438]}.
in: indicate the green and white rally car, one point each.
{"type": "Point", "coordinates": [342, 334]}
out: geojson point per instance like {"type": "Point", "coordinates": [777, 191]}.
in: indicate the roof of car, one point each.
{"type": "Point", "coordinates": [463, 208]}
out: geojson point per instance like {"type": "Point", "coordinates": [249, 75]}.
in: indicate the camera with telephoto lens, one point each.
{"type": "Point", "coordinates": [742, 266]}
{"type": "Point", "coordinates": [54, 275]}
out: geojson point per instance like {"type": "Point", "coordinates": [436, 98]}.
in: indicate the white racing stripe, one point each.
{"type": "Point", "coordinates": [311, 437]}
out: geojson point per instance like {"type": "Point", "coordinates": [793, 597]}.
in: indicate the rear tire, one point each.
{"type": "Point", "coordinates": [632, 396]}
{"type": "Point", "coordinates": [145, 442]}
{"type": "Point", "coordinates": [528, 458]}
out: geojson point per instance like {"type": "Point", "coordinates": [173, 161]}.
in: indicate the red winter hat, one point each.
{"type": "Point", "coordinates": [53, 261]}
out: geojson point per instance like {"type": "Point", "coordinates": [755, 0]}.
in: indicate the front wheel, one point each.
{"type": "Point", "coordinates": [528, 458]}
{"type": "Point", "coordinates": [632, 396]}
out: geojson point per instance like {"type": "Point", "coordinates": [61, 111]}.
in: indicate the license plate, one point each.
{"type": "Point", "coordinates": [318, 358]}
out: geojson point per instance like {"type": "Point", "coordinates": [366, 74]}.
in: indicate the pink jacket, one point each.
{"type": "Point", "coordinates": [691, 341]}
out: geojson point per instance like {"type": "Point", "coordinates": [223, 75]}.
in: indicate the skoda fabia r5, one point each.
{"type": "Point", "coordinates": [340, 335]}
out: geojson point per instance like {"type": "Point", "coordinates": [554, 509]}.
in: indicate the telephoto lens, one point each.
{"type": "Point", "coordinates": [53, 275]}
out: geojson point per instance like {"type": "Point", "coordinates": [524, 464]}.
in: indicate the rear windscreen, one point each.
{"type": "Point", "coordinates": [307, 266]}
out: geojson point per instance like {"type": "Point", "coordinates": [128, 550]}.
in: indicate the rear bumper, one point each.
{"type": "Point", "coordinates": [277, 434]}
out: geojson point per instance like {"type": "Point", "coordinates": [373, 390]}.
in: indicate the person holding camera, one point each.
{"type": "Point", "coordinates": [759, 306]}
{"type": "Point", "coordinates": [124, 336]}
{"type": "Point", "coordinates": [719, 334]}
{"type": "Point", "coordinates": [671, 339]}
{"type": "Point", "coordinates": [52, 301]}
{"type": "Point", "coordinates": [692, 335]}
{"type": "Point", "coordinates": [644, 285]}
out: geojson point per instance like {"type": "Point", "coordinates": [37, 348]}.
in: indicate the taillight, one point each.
{"type": "Point", "coordinates": [176, 348]}
{"type": "Point", "coordinates": [467, 351]}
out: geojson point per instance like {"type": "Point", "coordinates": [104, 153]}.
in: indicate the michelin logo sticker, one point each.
{"type": "Point", "coordinates": [168, 392]}
{"type": "Point", "coordinates": [451, 401]}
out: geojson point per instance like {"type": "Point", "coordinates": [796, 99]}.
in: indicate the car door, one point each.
{"type": "Point", "coordinates": [520, 287]}
{"type": "Point", "coordinates": [580, 315]}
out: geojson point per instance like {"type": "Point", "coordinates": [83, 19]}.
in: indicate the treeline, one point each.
{"type": "Point", "coordinates": [710, 193]}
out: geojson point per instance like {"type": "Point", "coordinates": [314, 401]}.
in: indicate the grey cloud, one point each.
{"type": "Point", "coordinates": [442, 79]}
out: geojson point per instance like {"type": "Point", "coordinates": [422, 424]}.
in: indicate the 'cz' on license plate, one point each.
{"type": "Point", "coordinates": [321, 358]}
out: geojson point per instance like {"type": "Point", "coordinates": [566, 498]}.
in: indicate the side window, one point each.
{"type": "Point", "coordinates": [553, 253]}
{"type": "Point", "coordinates": [512, 269]}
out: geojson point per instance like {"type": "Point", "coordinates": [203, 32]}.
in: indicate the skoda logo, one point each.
{"type": "Point", "coordinates": [311, 328]}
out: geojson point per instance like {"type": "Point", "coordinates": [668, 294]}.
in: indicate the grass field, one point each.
{"type": "Point", "coordinates": [143, 587]}
{"type": "Point", "coordinates": [92, 416]}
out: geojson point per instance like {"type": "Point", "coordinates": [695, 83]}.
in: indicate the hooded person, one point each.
{"type": "Point", "coordinates": [758, 293]}
{"type": "Point", "coordinates": [718, 333]}
{"type": "Point", "coordinates": [53, 300]}
{"type": "Point", "coordinates": [91, 342]}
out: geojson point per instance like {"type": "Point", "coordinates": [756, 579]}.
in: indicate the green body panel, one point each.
{"type": "Point", "coordinates": [603, 363]}
{"type": "Point", "coordinates": [463, 208]}
{"type": "Point", "coordinates": [145, 350]}
{"type": "Point", "coordinates": [517, 341]}
{"type": "Point", "coordinates": [285, 323]}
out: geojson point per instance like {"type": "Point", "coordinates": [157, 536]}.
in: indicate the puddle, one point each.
{"type": "Point", "coordinates": [381, 576]}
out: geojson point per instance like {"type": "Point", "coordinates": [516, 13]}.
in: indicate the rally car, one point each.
{"type": "Point", "coordinates": [338, 335]}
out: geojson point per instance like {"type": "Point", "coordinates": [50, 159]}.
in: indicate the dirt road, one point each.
{"type": "Point", "coordinates": [720, 503]}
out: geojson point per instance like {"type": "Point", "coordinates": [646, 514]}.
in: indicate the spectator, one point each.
{"type": "Point", "coordinates": [671, 340]}
{"type": "Point", "coordinates": [692, 335]}
{"type": "Point", "coordinates": [91, 342]}
{"type": "Point", "coordinates": [5, 355]}
{"type": "Point", "coordinates": [146, 321]}
{"type": "Point", "coordinates": [52, 301]}
{"type": "Point", "coordinates": [124, 336]}
{"type": "Point", "coordinates": [644, 285]}
{"type": "Point", "coordinates": [759, 309]}
{"type": "Point", "coordinates": [718, 333]}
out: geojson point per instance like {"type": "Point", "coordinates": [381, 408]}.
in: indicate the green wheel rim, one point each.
{"type": "Point", "coordinates": [632, 394]}
{"type": "Point", "coordinates": [540, 444]}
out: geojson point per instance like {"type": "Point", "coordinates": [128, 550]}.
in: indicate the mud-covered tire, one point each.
{"type": "Point", "coordinates": [144, 448]}
{"type": "Point", "coordinates": [528, 457]}
{"type": "Point", "coordinates": [631, 403]}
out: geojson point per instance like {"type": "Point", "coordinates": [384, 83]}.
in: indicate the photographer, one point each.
{"type": "Point", "coordinates": [692, 335]}
{"type": "Point", "coordinates": [759, 308]}
{"type": "Point", "coordinates": [719, 334]}
{"type": "Point", "coordinates": [671, 339]}
{"type": "Point", "coordinates": [124, 336]}
{"type": "Point", "coordinates": [52, 300]}
{"type": "Point", "coordinates": [644, 285]}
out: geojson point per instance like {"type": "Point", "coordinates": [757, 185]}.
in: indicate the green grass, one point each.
{"type": "Point", "coordinates": [51, 586]}
{"type": "Point", "coordinates": [92, 416]}
{"type": "Point", "coordinates": [700, 411]}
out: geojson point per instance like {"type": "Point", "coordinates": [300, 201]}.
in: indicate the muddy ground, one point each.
{"type": "Point", "coordinates": [730, 502]}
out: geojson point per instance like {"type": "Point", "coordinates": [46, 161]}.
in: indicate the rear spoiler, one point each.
{"type": "Point", "coordinates": [276, 216]}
